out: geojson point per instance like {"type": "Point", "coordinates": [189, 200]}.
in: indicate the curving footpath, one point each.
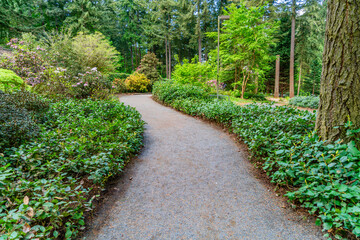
{"type": "Point", "coordinates": [191, 181]}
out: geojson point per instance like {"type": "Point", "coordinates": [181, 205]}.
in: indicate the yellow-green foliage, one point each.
{"type": "Point", "coordinates": [10, 81]}
{"type": "Point", "coordinates": [137, 82]}
{"type": "Point", "coordinates": [94, 50]}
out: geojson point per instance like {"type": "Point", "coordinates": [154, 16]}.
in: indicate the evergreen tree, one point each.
{"type": "Point", "coordinates": [148, 67]}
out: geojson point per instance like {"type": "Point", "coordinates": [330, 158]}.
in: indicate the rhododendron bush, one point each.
{"type": "Point", "coordinates": [61, 66]}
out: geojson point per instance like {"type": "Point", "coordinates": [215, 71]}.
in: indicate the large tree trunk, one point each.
{"type": "Point", "coordinates": [292, 49]}
{"type": "Point", "coordinates": [340, 80]}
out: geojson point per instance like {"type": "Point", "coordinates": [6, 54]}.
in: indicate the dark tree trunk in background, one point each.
{"type": "Point", "coordinates": [132, 58]}
{"type": "Point", "coordinates": [166, 58]}
{"type": "Point", "coordinates": [292, 49]}
{"type": "Point", "coordinates": [340, 80]}
{"type": "Point", "coordinates": [299, 83]}
{"type": "Point", "coordinates": [277, 77]}
{"type": "Point", "coordinates": [169, 59]}
{"type": "Point", "coordinates": [199, 30]}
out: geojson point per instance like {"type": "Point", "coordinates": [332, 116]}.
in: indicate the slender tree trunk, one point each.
{"type": "Point", "coordinates": [199, 30]}
{"type": "Point", "coordinates": [313, 91]}
{"type": "Point", "coordinates": [292, 49]}
{"type": "Point", "coordinates": [340, 80]}
{"type": "Point", "coordinates": [235, 78]}
{"type": "Point", "coordinates": [166, 59]}
{"type": "Point", "coordinates": [132, 58]}
{"type": "Point", "coordinates": [169, 59]}
{"type": "Point", "coordinates": [256, 82]}
{"type": "Point", "coordinates": [136, 56]}
{"type": "Point", "coordinates": [277, 77]}
{"type": "Point", "coordinates": [299, 84]}
{"type": "Point", "coordinates": [243, 85]}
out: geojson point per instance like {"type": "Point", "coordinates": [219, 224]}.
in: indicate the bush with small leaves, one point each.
{"type": "Point", "coordinates": [137, 83]}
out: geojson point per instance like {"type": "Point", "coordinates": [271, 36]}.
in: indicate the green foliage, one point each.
{"type": "Point", "coordinates": [256, 97]}
{"type": "Point", "coordinates": [167, 91]}
{"type": "Point", "coordinates": [50, 182]}
{"type": "Point", "coordinates": [305, 101]}
{"type": "Point", "coordinates": [148, 67]}
{"type": "Point", "coordinates": [119, 85]}
{"type": "Point", "coordinates": [137, 82]}
{"type": "Point", "coordinates": [91, 84]}
{"type": "Point", "coordinates": [193, 72]}
{"type": "Point", "coordinates": [19, 112]}
{"type": "Point", "coordinates": [25, 62]}
{"type": "Point", "coordinates": [10, 81]}
{"type": "Point", "coordinates": [323, 178]}
{"type": "Point", "coordinates": [116, 75]}
{"type": "Point", "coordinates": [245, 43]}
{"type": "Point", "coordinates": [94, 50]}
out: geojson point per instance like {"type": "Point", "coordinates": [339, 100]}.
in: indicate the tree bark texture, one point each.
{"type": "Point", "coordinates": [292, 50]}
{"type": "Point", "coordinates": [277, 77]}
{"type": "Point", "coordinates": [299, 83]}
{"type": "Point", "coordinates": [166, 58]}
{"type": "Point", "coordinates": [169, 60]}
{"type": "Point", "coordinates": [340, 80]}
{"type": "Point", "coordinates": [199, 30]}
{"type": "Point", "coordinates": [132, 58]}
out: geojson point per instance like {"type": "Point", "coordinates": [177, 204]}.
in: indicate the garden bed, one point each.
{"type": "Point", "coordinates": [49, 180]}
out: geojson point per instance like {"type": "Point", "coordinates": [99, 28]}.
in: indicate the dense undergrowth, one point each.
{"type": "Point", "coordinates": [305, 101]}
{"type": "Point", "coordinates": [323, 178]}
{"type": "Point", "coordinates": [50, 178]}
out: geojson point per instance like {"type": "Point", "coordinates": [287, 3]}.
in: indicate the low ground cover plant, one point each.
{"type": "Point", "coordinates": [323, 178]}
{"type": "Point", "coordinates": [49, 181]}
{"type": "Point", "coordinates": [305, 101]}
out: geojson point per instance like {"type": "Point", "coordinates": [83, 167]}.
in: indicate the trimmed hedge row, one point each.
{"type": "Point", "coordinates": [323, 178]}
{"type": "Point", "coordinates": [47, 183]}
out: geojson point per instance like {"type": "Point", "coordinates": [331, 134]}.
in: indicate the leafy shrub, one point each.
{"type": "Point", "coordinates": [55, 83]}
{"type": "Point", "coordinates": [51, 181]}
{"type": "Point", "coordinates": [256, 97]}
{"type": "Point", "coordinates": [168, 91]}
{"type": "Point", "coordinates": [91, 84]}
{"type": "Point", "coordinates": [27, 100]}
{"type": "Point", "coordinates": [113, 76]}
{"type": "Point", "coordinates": [193, 72]}
{"type": "Point", "coordinates": [137, 83]}
{"type": "Point", "coordinates": [119, 85]}
{"type": "Point", "coordinates": [305, 101]}
{"type": "Point", "coordinates": [247, 95]}
{"type": "Point", "coordinates": [18, 114]}
{"type": "Point", "coordinates": [148, 66]}
{"type": "Point", "coordinates": [94, 50]}
{"type": "Point", "coordinates": [26, 63]}
{"type": "Point", "coordinates": [10, 81]}
{"type": "Point", "coordinates": [323, 178]}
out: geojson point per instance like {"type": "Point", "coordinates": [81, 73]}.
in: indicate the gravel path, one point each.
{"type": "Point", "coordinates": [191, 181]}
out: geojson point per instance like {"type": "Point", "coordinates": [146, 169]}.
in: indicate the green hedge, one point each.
{"type": "Point", "coordinates": [48, 183]}
{"type": "Point", "coordinates": [305, 101]}
{"type": "Point", "coordinates": [324, 178]}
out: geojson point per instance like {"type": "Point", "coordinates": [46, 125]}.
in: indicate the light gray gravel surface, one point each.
{"type": "Point", "coordinates": [192, 181]}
